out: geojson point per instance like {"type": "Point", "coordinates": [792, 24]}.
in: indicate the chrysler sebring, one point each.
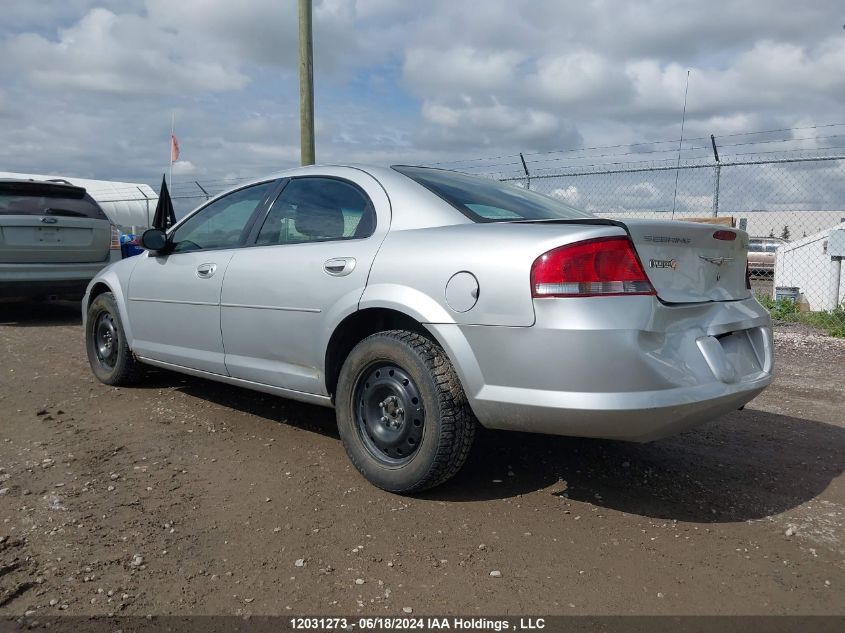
{"type": "Point", "coordinates": [420, 302]}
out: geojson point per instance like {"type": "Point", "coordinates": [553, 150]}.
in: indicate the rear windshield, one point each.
{"type": "Point", "coordinates": [486, 200]}
{"type": "Point", "coordinates": [22, 199]}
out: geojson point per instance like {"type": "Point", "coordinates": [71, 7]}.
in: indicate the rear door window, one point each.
{"type": "Point", "coordinates": [318, 209]}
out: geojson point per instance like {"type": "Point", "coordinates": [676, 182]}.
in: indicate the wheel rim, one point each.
{"type": "Point", "coordinates": [389, 413]}
{"type": "Point", "coordinates": [106, 340]}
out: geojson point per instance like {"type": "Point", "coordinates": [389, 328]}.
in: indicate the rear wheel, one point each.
{"type": "Point", "coordinates": [402, 414]}
{"type": "Point", "coordinates": [109, 355]}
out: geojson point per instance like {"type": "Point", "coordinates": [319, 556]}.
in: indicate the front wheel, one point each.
{"type": "Point", "coordinates": [401, 412]}
{"type": "Point", "coordinates": [109, 355]}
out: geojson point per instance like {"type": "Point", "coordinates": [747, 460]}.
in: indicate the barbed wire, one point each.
{"type": "Point", "coordinates": [541, 161]}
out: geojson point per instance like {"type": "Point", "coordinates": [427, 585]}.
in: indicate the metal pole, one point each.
{"type": "Point", "coordinates": [149, 218]}
{"type": "Point", "coordinates": [527, 173]}
{"type": "Point", "coordinates": [680, 144]}
{"type": "Point", "coordinates": [718, 173]}
{"type": "Point", "coordinates": [833, 283]}
{"type": "Point", "coordinates": [306, 84]}
{"type": "Point", "coordinates": [172, 125]}
{"type": "Point", "coordinates": [718, 169]}
{"type": "Point", "coordinates": [202, 189]}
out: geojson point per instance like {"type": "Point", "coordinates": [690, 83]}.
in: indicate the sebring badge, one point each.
{"type": "Point", "coordinates": [663, 263]}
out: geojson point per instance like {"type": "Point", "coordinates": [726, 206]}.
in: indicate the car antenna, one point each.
{"type": "Point", "coordinates": [680, 142]}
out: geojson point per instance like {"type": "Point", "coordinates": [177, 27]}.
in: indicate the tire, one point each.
{"type": "Point", "coordinates": [402, 414]}
{"type": "Point", "coordinates": [109, 355]}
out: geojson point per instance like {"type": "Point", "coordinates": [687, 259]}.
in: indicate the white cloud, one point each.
{"type": "Point", "coordinates": [459, 70]}
{"type": "Point", "coordinates": [106, 52]}
{"type": "Point", "coordinates": [569, 195]}
{"type": "Point", "coordinates": [184, 168]}
{"type": "Point", "coordinates": [88, 85]}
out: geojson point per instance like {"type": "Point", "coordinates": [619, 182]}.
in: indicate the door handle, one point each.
{"type": "Point", "coordinates": [204, 271]}
{"type": "Point", "coordinates": [339, 266]}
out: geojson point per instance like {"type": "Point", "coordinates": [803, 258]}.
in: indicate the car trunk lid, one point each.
{"type": "Point", "coordinates": [688, 262]}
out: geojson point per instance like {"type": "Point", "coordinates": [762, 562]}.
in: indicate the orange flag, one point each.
{"type": "Point", "coordinates": [174, 149]}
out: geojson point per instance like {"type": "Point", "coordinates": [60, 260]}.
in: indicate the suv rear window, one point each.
{"type": "Point", "coordinates": [36, 198]}
{"type": "Point", "coordinates": [487, 200]}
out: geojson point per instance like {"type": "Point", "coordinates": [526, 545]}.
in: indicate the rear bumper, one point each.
{"type": "Point", "coordinates": [23, 280]}
{"type": "Point", "coordinates": [625, 368]}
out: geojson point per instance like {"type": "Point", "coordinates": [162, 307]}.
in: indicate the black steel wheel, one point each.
{"type": "Point", "coordinates": [390, 413]}
{"type": "Point", "coordinates": [109, 355]}
{"type": "Point", "coordinates": [106, 340]}
{"type": "Point", "coordinates": [402, 413]}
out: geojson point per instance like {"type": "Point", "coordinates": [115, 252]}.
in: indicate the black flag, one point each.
{"type": "Point", "coordinates": [164, 216]}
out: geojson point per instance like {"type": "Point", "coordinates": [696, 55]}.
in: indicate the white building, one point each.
{"type": "Point", "coordinates": [129, 205]}
{"type": "Point", "coordinates": [810, 264]}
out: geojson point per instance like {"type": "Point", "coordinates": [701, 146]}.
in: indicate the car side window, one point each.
{"type": "Point", "coordinates": [222, 223]}
{"type": "Point", "coordinates": [316, 209]}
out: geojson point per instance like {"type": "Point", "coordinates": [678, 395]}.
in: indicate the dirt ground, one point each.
{"type": "Point", "coordinates": [184, 496]}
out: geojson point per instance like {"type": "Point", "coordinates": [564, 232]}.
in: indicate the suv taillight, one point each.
{"type": "Point", "coordinates": [115, 238]}
{"type": "Point", "coordinates": [600, 267]}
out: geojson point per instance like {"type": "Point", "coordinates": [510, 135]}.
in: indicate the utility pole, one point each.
{"type": "Point", "coordinates": [306, 83]}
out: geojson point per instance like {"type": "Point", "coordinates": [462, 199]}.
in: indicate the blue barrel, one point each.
{"type": "Point", "coordinates": [129, 245]}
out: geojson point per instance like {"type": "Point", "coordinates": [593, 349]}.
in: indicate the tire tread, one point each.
{"type": "Point", "coordinates": [129, 370]}
{"type": "Point", "coordinates": [457, 421]}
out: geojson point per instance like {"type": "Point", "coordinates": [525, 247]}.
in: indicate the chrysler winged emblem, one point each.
{"type": "Point", "coordinates": [718, 261]}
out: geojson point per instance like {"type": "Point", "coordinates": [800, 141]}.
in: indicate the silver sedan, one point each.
{"type": "Point", "coordinates": [420, 302]}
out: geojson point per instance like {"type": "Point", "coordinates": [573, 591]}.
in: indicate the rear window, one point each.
{"type": "Point", "coordinates": [48, 199]}
{"type": "Point", "coordinates": [486, 200]}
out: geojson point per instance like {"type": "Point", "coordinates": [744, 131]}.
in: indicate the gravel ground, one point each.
{"type": "Point", "coordinates": [184, 496]}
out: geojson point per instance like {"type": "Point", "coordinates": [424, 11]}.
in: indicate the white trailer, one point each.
{"type": "Point", "coordinates": [813, 265]}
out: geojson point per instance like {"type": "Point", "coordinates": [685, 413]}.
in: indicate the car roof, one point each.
{"type": "Point", "coordinates": [377, 171]}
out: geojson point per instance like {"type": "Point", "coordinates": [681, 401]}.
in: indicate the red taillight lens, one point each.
{"type": "Point", "coordinates": [600, 267]}
{"type": "Point", "coordinates": [728, 236]}
{"type": "Point", "coordinates": [115, 238]}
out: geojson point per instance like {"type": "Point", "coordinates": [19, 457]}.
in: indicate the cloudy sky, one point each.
{"type": "Point", "coordinates": [88, 86]}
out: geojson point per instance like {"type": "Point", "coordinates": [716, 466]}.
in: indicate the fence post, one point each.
{"type": "Point", "coordinates": [527, 174]}
{"type": "Point", "coordinates": [717, 175]}
{"type": "Point", "coordinates": [202, 189]}
{"type": "Point", "coordinates": [147, 200]}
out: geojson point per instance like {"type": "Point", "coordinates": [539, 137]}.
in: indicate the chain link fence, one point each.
{"type": "Point", "coordinates": [792, 206]}
{"type": "Point", "coordinates": [791, 202]}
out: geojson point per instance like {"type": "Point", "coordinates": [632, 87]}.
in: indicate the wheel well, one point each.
{"type": "Point", "coordinates": [358, 326]}
{"type": "Point", "coordinates": [96, 291]}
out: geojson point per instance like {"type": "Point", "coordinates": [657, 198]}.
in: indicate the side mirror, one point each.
{"type": "Point", "coordinates": [154, 240]}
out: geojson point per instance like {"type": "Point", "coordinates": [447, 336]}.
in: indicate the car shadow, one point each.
{"type": "Point", "coordinates": [747, 465]}
{"type": "Point", "coordinates": [39, 313]}
{"type": "Point", "coordinates": [304, 416]}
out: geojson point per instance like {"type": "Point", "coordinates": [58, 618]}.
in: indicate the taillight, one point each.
{"type": "Point", "coordinates": [728, 236]}
{"type": "Point", "coordinates": [115, 238]}
{"type": "Point", "coordinates": [599, 267]}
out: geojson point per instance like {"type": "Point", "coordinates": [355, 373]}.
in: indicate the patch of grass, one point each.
{"type": "Point", "coordinates": [832, 321]}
